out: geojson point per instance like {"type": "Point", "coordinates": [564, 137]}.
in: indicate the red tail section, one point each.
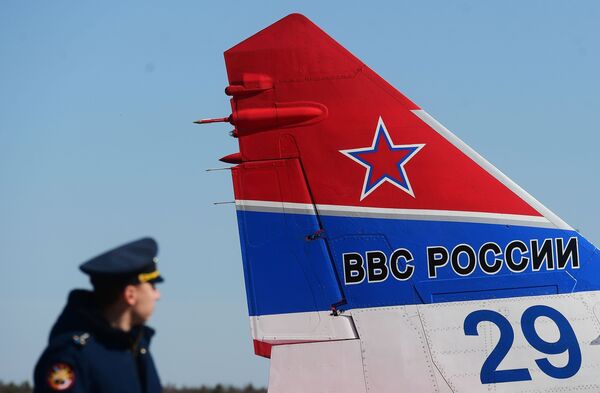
{"type": "Point", "coordinates": [298, 93]}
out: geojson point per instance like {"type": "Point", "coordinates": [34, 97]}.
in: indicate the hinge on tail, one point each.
{"type": "Point", "coordinates": [320, 234]}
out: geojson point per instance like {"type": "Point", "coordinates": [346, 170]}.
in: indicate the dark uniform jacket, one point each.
{"type": "Point", "coordinates": [85, 354]}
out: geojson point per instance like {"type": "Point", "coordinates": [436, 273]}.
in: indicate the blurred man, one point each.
{"type": "Point", "coordinates": [99, 343]}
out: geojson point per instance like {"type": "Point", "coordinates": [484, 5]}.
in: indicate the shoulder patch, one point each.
{"type": "Point", "coordinates": [60, 377]}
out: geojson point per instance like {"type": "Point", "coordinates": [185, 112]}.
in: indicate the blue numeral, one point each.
{"type": "Point", "coordinates": [567, 342]}
{"type": "Point", "coordinates": [489, 372]}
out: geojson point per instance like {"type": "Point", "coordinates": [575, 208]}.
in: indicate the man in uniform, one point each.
{"type": "Point", "coordinates": [99, 343]}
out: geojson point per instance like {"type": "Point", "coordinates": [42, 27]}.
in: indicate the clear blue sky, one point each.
{"type": "Point", "coordinates": [97, 145]}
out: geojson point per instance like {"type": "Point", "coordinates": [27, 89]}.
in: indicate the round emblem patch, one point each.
{"type": "Point", "coordinates": [61, 376]}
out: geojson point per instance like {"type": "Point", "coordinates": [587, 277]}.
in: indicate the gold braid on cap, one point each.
{"type": "Point", "coordinates": [145, 277]}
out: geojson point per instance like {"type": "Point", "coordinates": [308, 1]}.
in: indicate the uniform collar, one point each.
{"type": "Point", "coordinates": [81, 314]}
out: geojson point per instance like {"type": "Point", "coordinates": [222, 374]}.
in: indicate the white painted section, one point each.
{"type": "Point", "coordinates": [423, 348]}
{"type": "Point", "coordinates": [399, 214]}
{"type": "Point", "coordinates": [492, 170]}
{"type": "Point", "coordinates": [329, 367]}
{"type": "Point", "coordinates": [395, 352]}
{"type": "Point", "coordinates": [433, 215]}
{"type": "Point", "coordinates": [276, 207]}
{"type": "Point", "coordinates": [302, 326]}
{"type": "Point", "coordinates": [459, 357]}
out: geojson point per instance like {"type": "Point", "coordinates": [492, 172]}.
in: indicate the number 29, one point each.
{"type": "Point", "coordinates": [567, 342]}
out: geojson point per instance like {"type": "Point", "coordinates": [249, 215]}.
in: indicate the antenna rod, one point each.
{"type": "Point", "coordinates": [217, 169]}
{"type": "Point", "coordinates": [216, 120]}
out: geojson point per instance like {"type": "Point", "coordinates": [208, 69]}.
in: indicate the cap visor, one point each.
{"type": "Point", "coordinates": [157, 280]}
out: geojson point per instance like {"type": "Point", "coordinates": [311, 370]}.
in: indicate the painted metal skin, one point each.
{"type": "Point", "coordinates": [383, 254]}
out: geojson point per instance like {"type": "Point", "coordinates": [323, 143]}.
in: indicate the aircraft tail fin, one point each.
{"type": "Point", "coordinates": [343, 186]}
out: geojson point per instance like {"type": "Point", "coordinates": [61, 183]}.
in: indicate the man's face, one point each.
{"type": "Point", "coordinates": [146, 296]}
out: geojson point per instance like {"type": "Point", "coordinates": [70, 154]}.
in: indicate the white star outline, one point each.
{"type": "Point", "coordinates": [381, 126]}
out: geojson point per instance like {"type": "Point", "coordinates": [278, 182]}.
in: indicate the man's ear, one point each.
{"type": "Point", "coordinates": [130, 295]}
